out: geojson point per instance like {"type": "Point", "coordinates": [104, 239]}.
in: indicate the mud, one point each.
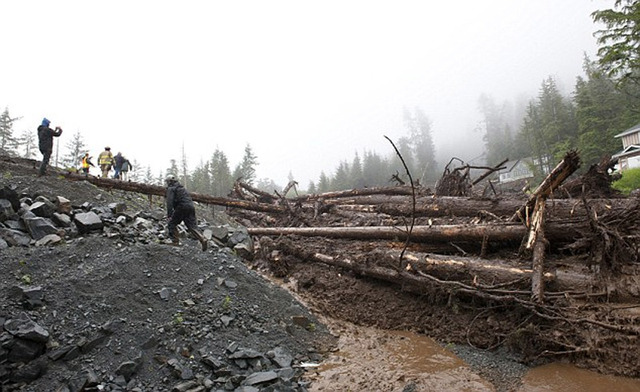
{"type": "Point", "coordinates": [568, 378]}
{"type": "Point", "coordinates": [373, 360]}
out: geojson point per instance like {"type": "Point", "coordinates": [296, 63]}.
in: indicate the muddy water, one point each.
{"type": "Point", "coordinates": [375, 360]}
{"type": "Point", "coordinates": [368, 359]}
{"type": "Point", "coordinates": [568, 378]}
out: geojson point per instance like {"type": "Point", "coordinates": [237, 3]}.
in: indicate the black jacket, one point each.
{"type": "Point", "coordinates": [118, 160]}
{"type": "Point", "coordinates": [178, 197]}
{"type": "Point", "coordinates": [45, 137]}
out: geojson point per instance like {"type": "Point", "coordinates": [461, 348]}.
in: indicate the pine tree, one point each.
{"type": "Point", "coordinates": [8, 142]}
{"type": "Point", "coordinates": [620, 40]}
{"type": "Point", "coordinates": [220, 174]}
{"type": "Point", "coordinates": [75, 150]}
{"type": "Point", "coordinates": [247, 168]}
{"type": "Point", "coordinates": [419, 127]}
{"type": "Point", "coordinates": [28, 141]}
{"type": "Point", "coordinates": [323, 183]}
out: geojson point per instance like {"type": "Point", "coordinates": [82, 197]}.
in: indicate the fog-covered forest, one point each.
{"type": "Point", "coordinates": [602, 103]}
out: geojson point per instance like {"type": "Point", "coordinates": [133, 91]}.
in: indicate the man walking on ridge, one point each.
{"type": "Point", "coordinates": [180, 208]}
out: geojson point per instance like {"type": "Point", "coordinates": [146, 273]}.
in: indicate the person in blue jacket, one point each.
{"type": "Point", "coordinates": [45, 143]}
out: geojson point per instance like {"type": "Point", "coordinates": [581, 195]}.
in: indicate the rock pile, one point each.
{"type": "Point", "coordinates": [93, 301]}
{"type": "Point", "coordinates": [41, 221]}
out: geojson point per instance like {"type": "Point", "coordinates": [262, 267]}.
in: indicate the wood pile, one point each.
{"type": "Point", "coordinates": [567, 261]}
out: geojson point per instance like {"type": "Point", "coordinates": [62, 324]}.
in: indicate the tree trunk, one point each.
{"type": "Point", "coordinates": [482, 274]}
{"type": "Point", "coordinates": [494, 232]}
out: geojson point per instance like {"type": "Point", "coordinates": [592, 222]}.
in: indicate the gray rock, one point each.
{"type": "Point", "coordinates": [33, 296]}
{"type": "Point", "coordinates": [43, 207]}
{"type": "Point", "coordinates": [245, 353]}
{"type": "Point", "coordinates": [9, 193]}
{"type": "Point", "coordinates": [143, 224]}
{"type": "Point", "coordinates": [237, 237]}
{"type": "Point", "coordinates": [226, 320]}
{"type": "Point", "coordinates": [185, 386]}
{"type": "Point", "coordinates": [24, 350]}
{"type": "Point", "coordinates": [6, 210]}
{"type": "Point", "coordinates": [286, 373]}
{"type": "Point", "coordinates": [118, 208]}
{"type": "Point", "coordinates": [260, 378]}
{"type": "Point", "coordinates": [88, 221]}
{"type": "Point", "coordinates": [219, 232]}
{"type": "Point", "coordinates": [127, 369]}
{"type": "Point", "coordinates": [29, 372]}
{"type": "Point", "coordinates": [165, 293]}
{"type": "Point", "coordinates": [280, 357]}
{"type": "Point", "coordinates": [15, 237]}
{"type": "Point", "coordinates": [90, 344]}
{"type": "Point", "coordinates": [246, 388]}
{"type": "Point", "coordinates": [15, 225]}
{"type": "Point", "coordinates": [25, 328]}
{"type": "Point", "coordinates": [62, 220]}
{"type": "Point", "coordinates": [3, 244]}
{"type": "Point", "coordinates": [243, 250]}
{"type": "Point", "coordinates": [39, 227]}
{"type": "Point", "coordinates": [49, 239]}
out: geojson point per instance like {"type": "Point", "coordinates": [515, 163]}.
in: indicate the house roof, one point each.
{"type": "Point", "coordinates": [633, 129]}
{"type": "Point", "coordinates": [632, 149]}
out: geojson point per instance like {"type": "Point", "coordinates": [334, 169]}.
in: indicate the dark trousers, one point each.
{"type": "Point", "coordinates": [46, 155]}
{"type": "Point", "coordinates": [183, 214]}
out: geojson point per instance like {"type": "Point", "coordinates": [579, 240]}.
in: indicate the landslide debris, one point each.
{"type": "Point", "coordinates": [93, 300]}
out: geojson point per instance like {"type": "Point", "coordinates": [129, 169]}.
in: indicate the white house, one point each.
{"type": "Point", "coordinates": [629, 157]}
{"type": "Point", "coordinates": [520, 169]}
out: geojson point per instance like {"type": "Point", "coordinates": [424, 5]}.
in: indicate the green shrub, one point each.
{"type": "Point", "coordinates": [629, 181]}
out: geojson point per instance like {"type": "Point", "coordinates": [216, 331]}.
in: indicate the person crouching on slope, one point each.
{"type": "Point", "coordinates": [180, 208]}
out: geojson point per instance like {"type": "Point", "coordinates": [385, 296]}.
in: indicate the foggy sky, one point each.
{"type": "Point", "coordinates": [306, 84]}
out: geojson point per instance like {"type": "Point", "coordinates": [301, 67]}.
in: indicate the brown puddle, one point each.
{"type": "Point", "coordinates": [568, 378]}
{"type": "Point", "coordinates": [369, 359]}
{"type": "Point", "coordinates": [373, 360]}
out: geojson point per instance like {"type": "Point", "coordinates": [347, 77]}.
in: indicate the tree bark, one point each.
{"type": "Point", "coordinates": [494, 232]}
{"type": "Point", "coordinates": [537, 242]}
{"type": "Point", "coordinates": [482, 274]}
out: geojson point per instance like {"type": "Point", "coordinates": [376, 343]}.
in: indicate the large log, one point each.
{"type": "Point", "coordinates": [494, 232]}
{"type": "Point", "coordinates": [147, 189]}
{"type": "Point", "coordinates": [462, 206]}
{"type": "Point", "coordinates": [396, 190]}
{"type": "Point", "coordinates": [482, 274]}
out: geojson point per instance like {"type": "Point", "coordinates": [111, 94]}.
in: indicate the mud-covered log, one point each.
{"type": "Point", "coordinates": [480, 273]}
{"type": "Point", "coordinates": [537, 243]}
{"type": "Point", "coordinates": [494, 232]}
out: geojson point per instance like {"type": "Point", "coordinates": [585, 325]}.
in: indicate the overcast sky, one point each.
{"type": "Point", "coordinates": [306, 84]}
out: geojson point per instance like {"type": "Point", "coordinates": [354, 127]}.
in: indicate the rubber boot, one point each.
{"type": "Point", "coordinates": [175, 238]}
{"type": "Point", "coordinates": [200, 237]}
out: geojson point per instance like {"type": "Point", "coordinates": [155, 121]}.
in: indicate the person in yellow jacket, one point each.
{"type": "Point", "coordinates": [86, 163]}
{"type": "Point", "coordinates": [105, 161]}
